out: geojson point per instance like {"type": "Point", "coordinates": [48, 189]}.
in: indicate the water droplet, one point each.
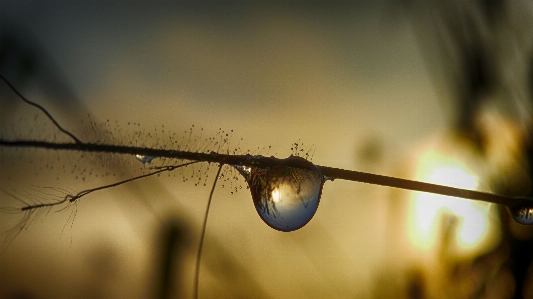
{"type": "Point", "coordinates": [522, 212]}
{"type": "Point", "coordinates": [145, 159]}
{"type": "Point", "coordinates": [286, 198]}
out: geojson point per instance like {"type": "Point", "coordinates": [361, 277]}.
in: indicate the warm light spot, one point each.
{"type": "Point", "coordinates": [275, 195]}
{"type": "Point", "coordinates": [432, 214]}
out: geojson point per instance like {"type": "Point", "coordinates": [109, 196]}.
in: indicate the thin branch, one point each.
{"type": "Point", "coordinates": [72, 198]}
{"type": "Point", "coordinates": [212, 157]}
{"type": "Point", "coordinates": [42, 110]}
{"type": "Point", "coordinates": [263, 162]}
{"type": "Point", "coordinates": [204, 225]}
{"type": "Point", "coordinates": [370, 178]}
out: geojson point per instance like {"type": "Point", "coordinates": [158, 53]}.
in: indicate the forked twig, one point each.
{"type": "Point", "coordinates": [72, 198]}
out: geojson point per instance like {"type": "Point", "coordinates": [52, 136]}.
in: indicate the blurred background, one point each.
{"type": "Point", "coordinates": [437, 92]}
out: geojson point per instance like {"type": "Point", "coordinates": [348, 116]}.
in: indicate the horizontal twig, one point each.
{"type": "Point", "coordinates": [263, 162]}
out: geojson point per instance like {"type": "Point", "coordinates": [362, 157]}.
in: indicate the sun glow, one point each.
{"type": "Point", "coordinates": [431, 215]}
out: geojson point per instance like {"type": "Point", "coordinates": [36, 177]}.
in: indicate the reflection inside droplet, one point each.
{"type": "Point", "coordinates": [275, 195]}
{"type": "Point", "coordinates": [286, 198]}
{"type": "Point", "coordinates": [145, 159]}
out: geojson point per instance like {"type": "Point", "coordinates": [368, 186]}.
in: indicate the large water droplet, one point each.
{"type": "Point", "coordinates": [522, 212]}
{"type": "Point", "coordinates": [286, 198]}
{"type": "Point", "coordinates": [145, 159]}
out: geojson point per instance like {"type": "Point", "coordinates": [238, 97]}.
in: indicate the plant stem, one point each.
{"type": "Point", "coordinates": [264, 162]}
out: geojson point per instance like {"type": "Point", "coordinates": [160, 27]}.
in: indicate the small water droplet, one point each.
{"type": "Point", "coordinates": [145, 159]}
{"type": "Point", "coordinates": [522, 212]}
{"type": "Point", "coordinates": [286, 198]}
